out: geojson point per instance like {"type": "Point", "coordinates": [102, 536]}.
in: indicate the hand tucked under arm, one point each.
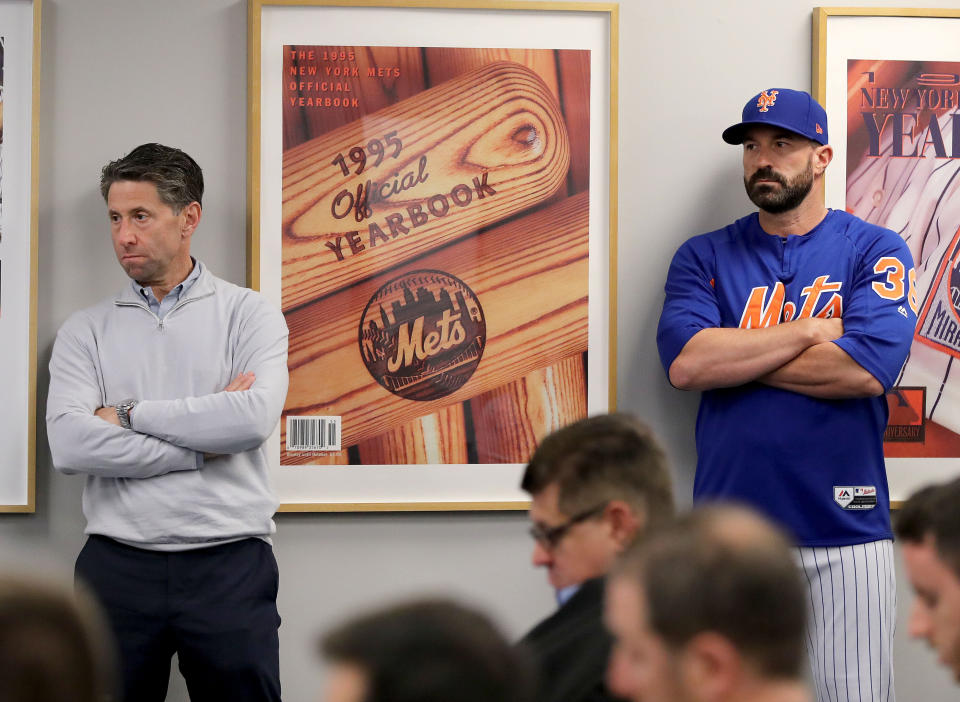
{"type": "Point", "coordinates": [108, 414]}
{"type": "Point", "coordinates": [243, 381]}
{"type": "Point", "coordinates": [725, 357]}
{"type": "Point", "coordinates": [825, 371]}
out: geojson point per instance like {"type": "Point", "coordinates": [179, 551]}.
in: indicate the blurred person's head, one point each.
{"type": "Point", "coordinates": [424, 651]}
{"type": "Point", "coordinates": [928, 527]}
{"type": "Point", "coordinates": [54, 646]}
{"type": "Point", "coordinates": [594, 485]}
{"type": "Point", "coordinates": [710, 608]}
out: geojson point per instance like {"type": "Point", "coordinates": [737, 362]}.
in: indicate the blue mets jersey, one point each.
{"type": "Point", "coordinates": [815, 466]}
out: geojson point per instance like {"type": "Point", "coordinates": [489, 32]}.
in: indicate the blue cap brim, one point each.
{"type": "Point", "coordinates": [735, 134]}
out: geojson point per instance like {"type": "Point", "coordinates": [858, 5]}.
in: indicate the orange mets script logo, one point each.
{"type": "Point", "coordinates": [761, 311]}
{"type": "Point", "coordinates": [766, 100]}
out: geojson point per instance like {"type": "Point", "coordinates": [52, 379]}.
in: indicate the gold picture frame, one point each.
{"type": "Point", "coordinates": [18, 251]}
{"type": "Point", "coordinates": [349, 28]}
{"type": "Point", "coordinates": [881, 71]}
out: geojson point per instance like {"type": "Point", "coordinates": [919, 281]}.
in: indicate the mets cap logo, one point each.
{"type": "Point", "coordinates": [766, 100]}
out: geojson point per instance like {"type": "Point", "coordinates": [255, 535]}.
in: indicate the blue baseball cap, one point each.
{"type": "Point", "coordinates": [794, 110]}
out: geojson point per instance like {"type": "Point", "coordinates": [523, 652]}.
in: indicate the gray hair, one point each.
{"type": "Point", "coordinates": [178, 178]}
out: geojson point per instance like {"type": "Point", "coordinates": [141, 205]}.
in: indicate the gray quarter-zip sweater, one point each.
{"type": "Point", "coordinates": [150, 486]}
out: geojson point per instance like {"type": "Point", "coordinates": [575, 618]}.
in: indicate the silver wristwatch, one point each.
{"type": "Point", "coordinates": [123, 412]}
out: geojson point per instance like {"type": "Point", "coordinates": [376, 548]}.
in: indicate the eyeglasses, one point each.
{"type": "Point", "coordinates": [549, 537]}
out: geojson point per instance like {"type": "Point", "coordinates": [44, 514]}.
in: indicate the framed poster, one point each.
{"type": "Point", "coordinates": [889, 79]}
{"type": "Point", "coordinates": [19, 93]}
{"type": "Point", "coordinates": [432, 205]}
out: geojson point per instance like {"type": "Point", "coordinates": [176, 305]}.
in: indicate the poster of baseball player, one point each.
{"type": "Point", "coordinates": [434, 271]}
{"type": "Point", "coordinates": [903, 172]}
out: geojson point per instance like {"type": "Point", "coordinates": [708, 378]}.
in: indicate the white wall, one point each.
{"type": "Point", "coordinates": [120, 72]}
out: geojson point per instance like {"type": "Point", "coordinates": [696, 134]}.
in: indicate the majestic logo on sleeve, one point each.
{"type": "Point", "coordinates": [819, 299]}
{"type": "Point", "coordinates": [422, 335]}
{"type": "Point", "coordinates": [766, 100]}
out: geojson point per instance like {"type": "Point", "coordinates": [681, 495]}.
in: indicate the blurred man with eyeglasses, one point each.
{"type": "Point", "coordinates": [594, 485]}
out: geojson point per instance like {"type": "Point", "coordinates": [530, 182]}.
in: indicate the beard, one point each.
{"type": "Point", "coordinates": [774, 200]}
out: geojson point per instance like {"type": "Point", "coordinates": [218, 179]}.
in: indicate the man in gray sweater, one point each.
{"type": "Point", "coordinates": [164, 396]}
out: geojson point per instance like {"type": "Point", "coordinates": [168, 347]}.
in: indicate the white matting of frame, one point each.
{"type": "Point", "coordinates": [20, 29]}
{"type": "Point", "coordinates": [547, 25]}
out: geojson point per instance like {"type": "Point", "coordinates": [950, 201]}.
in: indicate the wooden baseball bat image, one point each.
{"type": "Point", "coordinates": [509, 421]}
{"type": "Point", "coordinates": [419, 174]}
{"type": "Point", "coordinates": [437, 438]}
{"type": "Point", "coordinates": [538, 403]}
{"type": "Point", "coordinates": [540, 259]}
{"type": "Point", "coordinates": [506, 422]}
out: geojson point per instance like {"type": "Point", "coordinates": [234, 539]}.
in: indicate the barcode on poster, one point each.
{"type": "Point", "coordinates": [313, 433]}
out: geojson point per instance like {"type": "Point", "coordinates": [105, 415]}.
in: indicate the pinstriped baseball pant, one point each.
{"type": "Point", "coordinates": [852, 611]}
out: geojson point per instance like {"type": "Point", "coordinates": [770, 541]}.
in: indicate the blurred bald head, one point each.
{"type": "Point", "coordinates": [719, 591]}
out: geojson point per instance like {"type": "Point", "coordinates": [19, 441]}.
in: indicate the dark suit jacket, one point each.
{"type": "Point", "coordinates": [571, 648]}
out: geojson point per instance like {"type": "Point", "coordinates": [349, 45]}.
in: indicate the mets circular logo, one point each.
{"type": "Point", "coordinates": [422, 335]}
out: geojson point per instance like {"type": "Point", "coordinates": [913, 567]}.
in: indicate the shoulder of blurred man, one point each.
{"type": "Point", "coordinates": [571, 648]}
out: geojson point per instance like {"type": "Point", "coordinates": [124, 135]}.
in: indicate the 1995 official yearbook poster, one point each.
{"type": "Point", "coordinates": [434, 245]}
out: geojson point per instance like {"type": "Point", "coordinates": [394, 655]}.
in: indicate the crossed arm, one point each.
{"type": "Point", "coordinates": [243, 381]}
{"type": "Point", "coordinates": [81, 441]}
{"type": "Point", "coordinates": [799, 356]}
{"type": "Point", "coordinates": [168, 435]}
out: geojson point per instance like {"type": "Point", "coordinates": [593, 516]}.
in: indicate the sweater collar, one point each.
{"type": "Point", "coordinates": [202, 287]}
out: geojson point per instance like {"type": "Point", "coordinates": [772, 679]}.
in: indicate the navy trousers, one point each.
{"type": "Point", "coordinates": [215, 607]}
